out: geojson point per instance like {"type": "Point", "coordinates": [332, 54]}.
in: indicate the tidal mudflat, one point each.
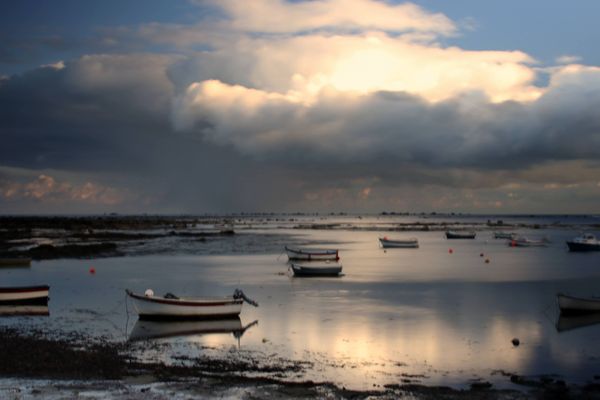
{"type": "Point", "coordinates": [397, 321]}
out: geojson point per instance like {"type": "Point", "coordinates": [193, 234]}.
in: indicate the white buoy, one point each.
{"type": "Point", "coordinates": [149, 293]}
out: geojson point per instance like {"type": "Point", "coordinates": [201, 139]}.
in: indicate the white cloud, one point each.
{"type": "Point", "coordinates": [567, 59]}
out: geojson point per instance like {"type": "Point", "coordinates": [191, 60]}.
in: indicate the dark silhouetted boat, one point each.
{"type": "Point", "coordinates": [460, 235]}
{"type": "Point", "coordinates": [306, 254]}
{"type": "Point", "coordinates": [315, 270]}
{"type": "Point", "coordinates": [24, 295]}
{"type": "Point", "coordinates": [587, 242]}
{"type": "Point", "coordinates": [570, 322]}
{"type": "Point", "coordinates": [504, 235]}
{"type": "Point", "coordinates": [410, 243]}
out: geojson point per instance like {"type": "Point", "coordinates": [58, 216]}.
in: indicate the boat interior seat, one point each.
{"type": "Point", "coordinates": [170, 296]}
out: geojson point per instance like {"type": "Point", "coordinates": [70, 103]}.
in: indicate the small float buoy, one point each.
{"type": "Point", "coordinates": [480, 254]}
{"type": "Point", "coordinates": [487, 260]}
{"type": "Point", "coordinates": [92, 270]}
{"type": "Point", "coordinates": [450, 251]}
{"type": "Point", "coordinates": [516, 342]}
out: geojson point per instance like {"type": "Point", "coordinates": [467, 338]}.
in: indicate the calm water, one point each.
{"type": "Point", "coordinates": [422, 314]}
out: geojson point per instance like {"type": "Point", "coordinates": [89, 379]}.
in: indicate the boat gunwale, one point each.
{"type": "Point", "coordinates": [187, 302]}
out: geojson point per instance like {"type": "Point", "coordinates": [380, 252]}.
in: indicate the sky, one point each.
{"type": "Point", "coordinates": [220, 106]}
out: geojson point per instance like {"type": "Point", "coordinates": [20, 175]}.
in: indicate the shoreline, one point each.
{"type": "Point", "coordinates": [36, 364]}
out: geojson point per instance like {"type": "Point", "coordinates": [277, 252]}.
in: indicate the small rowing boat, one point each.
{"type": "Point", "coordinates": [570, 322]}
{"type": "Point", "coordinates": [577, 305]}
{"type": "Point", "coordinates": [149, 306]}
{"type": "Point", "coordinates": [527, 242]}
{"type": "Point", "coordinates": [24, 295]}
{"type": "Point", "coordinates": [460, 235]}
{"type": "Point", "coordinates": [411, 243]}
{"type": "Point", "coordinates": [315, 270]}
{"type": "Point", "coordinates": [306, 254]}
{"type": "Point", "coordinates": [504, 235]}
{"type": "Point", "coordinates": [587, 242]}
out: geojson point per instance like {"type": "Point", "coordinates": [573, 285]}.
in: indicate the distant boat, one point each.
{"type": "Point", "coordinates": [460, 235]}
{"type": "Point", "coordinates": [15, 262]}
{"type": "Point", "coordinates": [527, 242]}
{"type": "Point", "coordinates": [587, 242]}
{"type": "Point", "coordinates": [504, 235]}
{"type": "Point", "coordinates": [316, 269]}
{"type": "Point", "coordinates": [23, 310]}
{"type": "Point", "coordinates": [144, 329]}
{"type": "Point", "coordinates": [574, 305]}
{"type": "Point", "coordinates": [399, 243]}
{"type": "Point", "coordinates": [24, 295]}
{"type": "Point", "coordinates": [306, 254]}
{"type": "Point", "coordinates": [149, 306]}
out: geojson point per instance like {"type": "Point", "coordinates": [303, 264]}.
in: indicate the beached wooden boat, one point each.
{"type": "Point", "coordinates": [15, 262]}
{"type": "Point", "coordinates": [23, 310]}
{"type": "Point", "coordinates": [577, 305]}
{"type": "Point", "coordinates": [24, 295]}
{"type": "Point", "coordinates": [587, 242]}
{"type": "Point", "coordinates": [306, 254]}
{"type": "Point", "coordinates": [149, 306]}
{"type": "Point", "coordinates": [410, 243]}
{"type": "Point", "coordinates": [326, 269]}
{"type": "Point", "coordinates": [527, 242]}
{"type": "Point", "coordinates": [460, 235]}
{"type": "Point", "coordinates": [570, 322]}
{"type": "Point", "coordinates": [504, 235]}
{"type": "Point", "coordinates": [145, 330]}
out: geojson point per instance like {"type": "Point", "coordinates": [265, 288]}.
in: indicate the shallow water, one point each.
{"type": "Point", "coordinates": [424, 315]}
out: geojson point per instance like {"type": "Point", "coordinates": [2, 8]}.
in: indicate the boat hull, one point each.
{"type": "Point", "coordinates": [312, 254]}
{"type": "Point", "coordinates": [27, 295]}
{"type": "Point", "coordinates": [574, 246]}
{"type": "Point", "coordinates": [460, 235]}
{"type": "Point", "coordinates": [401, 244]}
{"type": "Point", "coordinates": [504, 235]}
{"type": "Point", "coordinates": [151, 307]}
{"type": "Point", "coordinates": [578, 305]}
{"type": "Point", "coordinates": [315, 271]}
{"type": "Point", "coordinates": [15, 262]}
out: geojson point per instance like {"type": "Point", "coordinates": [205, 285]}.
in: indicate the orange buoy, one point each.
{"type": "Point", "coordinates": [92, 270]}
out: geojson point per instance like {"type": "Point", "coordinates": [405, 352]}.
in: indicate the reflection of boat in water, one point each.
{"type": "Point", "coordinates": [149, 306]}
{"type": "Point", "coordinates": [23, 310]}
{"type": "Point", "coordinates": [410, 243]}
{"type": "Point", "coordinates": [587, 242]}
{"type": "Point", "coordinates": [460, 235]}
{"type": "Point", "coordinates": [15, 262]}
{"type": "Point", "coordinates": [569, 322]}
{"type": "Point", "coordinates": [145, 330]}
{"type": "Point", "coordinates": [297, 253]}
{"type": "Point", "coordinates": [317, 269]}
{"type": "Point", "coordinates": [24, 295]}
{"type": "Point", "coordinates": [577, 305]}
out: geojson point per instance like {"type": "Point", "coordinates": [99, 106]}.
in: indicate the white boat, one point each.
{"type": "Point", "coordinates": [460, 235]}
{"type": "Point", "coordinates": [326, 269]}
{"type": "Point", "coordinates": [149, 306]}
{"type": "Point", "coordinates": [144, 329]}
{"type": "Point", "coordinates": [24, 295]}
{"type": "Point", "coordinates": [527, 242]}
{"type": "Point", "coordinates": [22, 310]}
{"type": "Point", "coordinates": [586, 242]}
{"type": "Point", "coordinates": [573, 305]}
{"type": "Point", "coordinates": [504, 235]}
{"type": "Point", "coordinates": [306, 254]}
{"type": "Point", "coordinates": [410, 243]}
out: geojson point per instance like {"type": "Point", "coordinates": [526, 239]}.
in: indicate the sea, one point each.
{"type": "Point", "coordinates": [447, 313]}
